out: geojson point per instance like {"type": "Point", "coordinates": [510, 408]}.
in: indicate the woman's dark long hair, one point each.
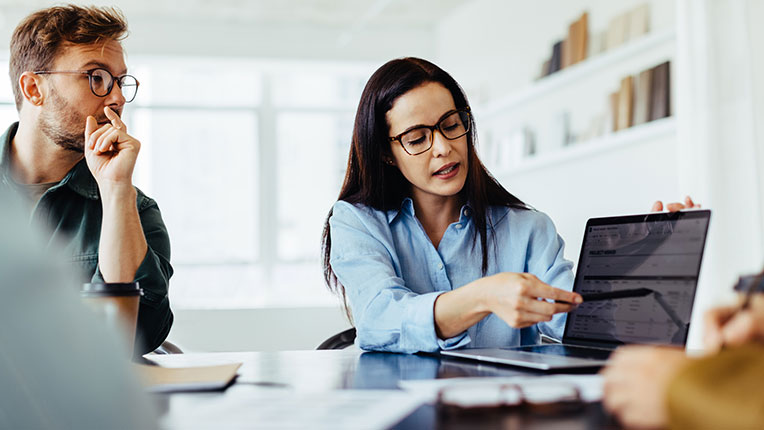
{"type": "Point", "coordinates": [370, 181]}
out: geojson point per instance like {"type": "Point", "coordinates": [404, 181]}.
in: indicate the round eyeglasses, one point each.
{"type": "Point", "coordinates": [102, 82]}
{"type": "Point", "coordinates": [452, 125]}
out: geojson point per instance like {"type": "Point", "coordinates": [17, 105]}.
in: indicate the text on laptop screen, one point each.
{"type": "Point", "coordinates": [652, 263]}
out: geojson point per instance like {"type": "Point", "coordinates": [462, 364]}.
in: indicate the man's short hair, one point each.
{"type": "Point", "coordinates": [39, 37]}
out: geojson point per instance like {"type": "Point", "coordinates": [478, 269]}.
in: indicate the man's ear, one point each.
{"type": "Point", "coordinates": [30, 86]}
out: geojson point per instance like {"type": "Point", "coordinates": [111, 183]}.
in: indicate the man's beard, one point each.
{"type": "Point", "coordinates": [63, 125]}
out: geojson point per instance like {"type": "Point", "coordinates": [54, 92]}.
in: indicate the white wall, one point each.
{"type": "Point", "coordinates": [755, 35]}
{"type": "Point", "coordinates": [197, 38]}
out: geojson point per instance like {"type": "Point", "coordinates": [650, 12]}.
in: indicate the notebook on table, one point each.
{"type": "Point", "coordinates": [159, 379]}
{"type": "Point", "coordinates": [638, 275]}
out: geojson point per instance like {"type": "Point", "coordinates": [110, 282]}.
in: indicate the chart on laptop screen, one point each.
{"type": "Point", "coordinates": [653, 264]}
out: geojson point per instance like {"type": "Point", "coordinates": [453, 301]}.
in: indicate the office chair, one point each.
{"type": "Point", "coordinates": [340, 340]}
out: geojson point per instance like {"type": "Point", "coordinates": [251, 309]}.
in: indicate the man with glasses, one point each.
{"type": "Point", "coordinates": [71, 158]}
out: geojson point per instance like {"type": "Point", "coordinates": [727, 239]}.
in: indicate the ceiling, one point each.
{"type": "Point", "coordinates": [342, 14]}
{"type": "Point", "coordinates": [330, 29]}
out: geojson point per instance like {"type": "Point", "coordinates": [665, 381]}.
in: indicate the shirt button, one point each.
{"type": "Point", "coordinates": [440, 266]}
{"type": "Point", "coordinates": [458, 226]}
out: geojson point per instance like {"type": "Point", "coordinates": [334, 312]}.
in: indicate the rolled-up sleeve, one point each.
{"type": "Point", "coordinates": [546, 260]}
{"type": "Point", "coordinates": [388, 316]}
{"type": "Point", "coordinates": [154, 315]}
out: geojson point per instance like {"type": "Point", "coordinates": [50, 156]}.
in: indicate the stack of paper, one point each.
{"type": "Point", "coordinates": [278, 408]}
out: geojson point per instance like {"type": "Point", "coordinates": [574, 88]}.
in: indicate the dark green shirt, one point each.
{"type": "Point", "coordinates": [72, 212]}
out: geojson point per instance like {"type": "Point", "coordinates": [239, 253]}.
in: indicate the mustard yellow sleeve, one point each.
{"type": "Point", "coordinates": [725, 391]}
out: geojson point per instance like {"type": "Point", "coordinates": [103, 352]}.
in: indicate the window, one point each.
{"type": "Point", "coordinates": [202, 166]}
{"type": "Point", "coordinates": [307, 146]}
{"type": "Point", "coordinates": [245, 158]}
{"type": "Point", "coordinates": [8, 113]}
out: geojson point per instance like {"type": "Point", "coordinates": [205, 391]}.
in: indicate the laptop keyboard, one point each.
{"type": "Point", "coordinates": [567, 351]}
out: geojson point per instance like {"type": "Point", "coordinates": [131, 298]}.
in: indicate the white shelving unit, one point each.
{"type": "Point", "coordinates": [661, 128]}
{"type": "Point", "coordinates": [593, 78]}
{"type": "Point", "coordinates": [565, 77]}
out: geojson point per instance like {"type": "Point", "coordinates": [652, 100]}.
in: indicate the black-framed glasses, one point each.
{"type": "Point", "coordinates": [102, 82]}
{"type": "Point", "coordinates": [452, 125]}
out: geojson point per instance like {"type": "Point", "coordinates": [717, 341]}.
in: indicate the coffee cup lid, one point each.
{"type": "Point", "coordinates": [111, 289]}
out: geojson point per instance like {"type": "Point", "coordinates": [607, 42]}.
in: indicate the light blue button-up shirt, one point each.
{"type": "Point", "coordinates": [392, 273]}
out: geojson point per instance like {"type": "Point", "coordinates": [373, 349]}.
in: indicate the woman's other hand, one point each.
{"type": "Point", "coordinates": [675, 206]}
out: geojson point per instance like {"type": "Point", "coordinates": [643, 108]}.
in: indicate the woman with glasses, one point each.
{"type": "Point", "coordinates": [426, 248]}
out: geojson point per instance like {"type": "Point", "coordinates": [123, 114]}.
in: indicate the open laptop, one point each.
{"type": "Point", "coordinates": [638, 275]}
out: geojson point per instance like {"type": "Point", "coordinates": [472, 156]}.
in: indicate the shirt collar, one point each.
{"type": "Point", "coordinates": [79, 179]}
{"type": "Point", "coordinates": [407, 207]}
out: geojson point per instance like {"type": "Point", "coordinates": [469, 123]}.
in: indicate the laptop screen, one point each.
{"type": "Point", "coordinates": [641, 272]}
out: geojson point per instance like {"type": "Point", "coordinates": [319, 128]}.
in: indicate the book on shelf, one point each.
{"type": "Point", "coordinates": [570, 50]}
{"type": "Point", "coordinates": [558, 132]}
{"type": "Point", "coordinates": [577, 38]}
{"type": "Point", "coordinates": [625, 99]}
{"type": "Point", "coordinates": [660, 93]}
{"type": "Point", "coordinates": [565, 54]}
{"type": "Point", "coordinates": [545, 67]}
{"type": "Point", "coordinates": [639, 19]}
{"type": "Point", "coordinates": [517, 145]}
{"type": "Point", "coordinates": [556, 62]}
{"type": "Point", "coordinates": [629, 25]}
{"type": "Point", "coordinates": [570, 43]}
{"type": "Point", "coordinates": [612, 112]}
{"type": "Point", "coordinates": [583, 35]}
{"type": "Point", "coordinates": [642, 89]}
{"type": "Point", "coordinates": [617, 31]}
{"type": "Point", "coordinates": [596, 43]}
{"type": "Point", "coordinates": [593, 130]}
{"type": "Point", "coordinates": [580, 43]}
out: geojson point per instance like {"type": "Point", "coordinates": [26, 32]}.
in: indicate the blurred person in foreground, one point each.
{"type": "Point", "coordinates": [70, 158]}
{"type": "Point", "coordinates": [59, 367]}
{"type": "Point", "coordinates": [656, 387]}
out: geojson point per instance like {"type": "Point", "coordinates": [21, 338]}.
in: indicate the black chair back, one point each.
{"type": "Point", "coordinates": [340, 340]}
